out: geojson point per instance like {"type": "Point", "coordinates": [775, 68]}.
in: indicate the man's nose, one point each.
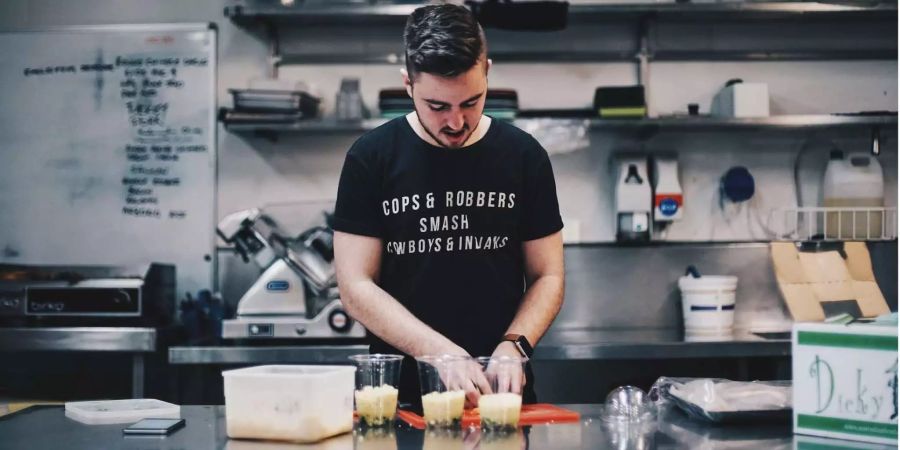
{"type": "Point", "coordinates": [456, 121]}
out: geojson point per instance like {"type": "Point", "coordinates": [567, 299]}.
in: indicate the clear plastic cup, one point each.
{"type": "Point", "coordinates": [501, 407]}
{"type": "Point", "coordinates": [377, 380]}
{"type": "Point", "coordinates": [443, 397]}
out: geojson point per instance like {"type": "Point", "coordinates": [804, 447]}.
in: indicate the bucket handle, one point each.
{"type": "Point", "coordinates": [692, 271]}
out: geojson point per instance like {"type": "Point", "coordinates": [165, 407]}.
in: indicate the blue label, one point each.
{"type": "Point", "coordinates": [668, 207]}
{"type": "Point", "coordinates": [704, 308]}
{"type": "Point", "coordinates": [712, 307]}
{"type": "Point", "coordinates": [278, 285]}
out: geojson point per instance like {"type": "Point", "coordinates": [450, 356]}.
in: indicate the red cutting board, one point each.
{"type": "Point", "coordinates": [536, 414]}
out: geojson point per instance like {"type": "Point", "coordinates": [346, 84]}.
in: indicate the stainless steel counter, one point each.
{"type": "Point", "coordinates": [90, 339]}
{"type": "Point", "coordinates": [298, 354]}
{"type": "Point", "coordinates": [651, 343]}
{"type": "Point", "coordinates": [47, 428]}
{"type": "Point", "coordinates": [572, 344]}
{"type": "Point", "coordinates": [136, 341]}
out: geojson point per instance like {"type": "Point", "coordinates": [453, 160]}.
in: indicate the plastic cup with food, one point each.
{"type": "Point", "coordinates": [501, 407]}
{"type": "Point", "coordinates": [443, 380]}
{"type": "Point", "coordinates": [377, 379]}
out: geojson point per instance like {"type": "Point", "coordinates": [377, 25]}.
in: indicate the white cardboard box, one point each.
{"type": "Point", "coordinates": [845, 381]}
{"type": "Point", "coordinates": [742, 100]}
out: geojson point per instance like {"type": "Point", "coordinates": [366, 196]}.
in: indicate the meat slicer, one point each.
{"type": "Point", "coordinates": [296, 295]}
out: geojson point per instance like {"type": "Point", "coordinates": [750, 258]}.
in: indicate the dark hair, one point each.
{"type": "Point", "coordinates": [443, 40]}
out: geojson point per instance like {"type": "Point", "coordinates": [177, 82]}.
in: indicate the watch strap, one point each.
{"type": "Point", "coordinates": [521, 344]}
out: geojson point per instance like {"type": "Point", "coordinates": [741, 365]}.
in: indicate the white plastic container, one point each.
{"type": "Point", "coordinates": [289, 403]}
{"type": "Point", "coordinates": [101, 412]}
{"type": "Point", "coordinates": [708, 305]}
{"type": "Point", "coordinates": [854, 181]}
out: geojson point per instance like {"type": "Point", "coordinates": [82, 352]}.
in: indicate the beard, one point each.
{"type": "Point", "coordinates": [436, 135]}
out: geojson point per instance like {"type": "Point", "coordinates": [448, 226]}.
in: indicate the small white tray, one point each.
{"type": "Point", "coordinates": [120, 411]}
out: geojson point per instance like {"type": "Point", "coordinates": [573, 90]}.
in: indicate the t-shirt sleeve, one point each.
{"type": "Point", "coordinates": [541, 213]}
{"type": "Point", "coordinates": [356, 210]}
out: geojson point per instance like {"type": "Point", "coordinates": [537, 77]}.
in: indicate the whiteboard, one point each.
{"type": "Point", "coordinates": [107, 148]}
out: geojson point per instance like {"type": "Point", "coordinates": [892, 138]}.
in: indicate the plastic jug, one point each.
{"type": "Point", "coordinates": [851, 182]}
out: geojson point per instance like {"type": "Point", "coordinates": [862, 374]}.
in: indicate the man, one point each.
{"type": "Point", "coordinates": [445, 215]}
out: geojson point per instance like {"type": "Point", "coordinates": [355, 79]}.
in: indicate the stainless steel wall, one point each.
{"type": "Point", "coordinates": [610, 286]}
{"type": "Point", "coordinates": [613, 286]}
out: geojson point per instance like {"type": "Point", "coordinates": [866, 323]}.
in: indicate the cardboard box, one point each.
{"type": "Point", "coordinates": [813, 282]}
{"type": "Point", "coordinates": [742, 100]}
{"type": "Point", "coordinates": [845, 381]}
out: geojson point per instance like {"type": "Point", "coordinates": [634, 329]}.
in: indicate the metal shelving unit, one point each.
{"type": "Point", "coordinates": [308, 126]}
{"type": "Point", "coordinates": [686, 124]}
{"type": "Point", "coordinates": [644, 23]}
{"type": "Point", "coordinates": [337, 12]}
{"type": "Point", "coordinates": [640, 33]}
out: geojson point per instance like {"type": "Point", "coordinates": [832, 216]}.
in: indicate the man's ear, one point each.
{"type": "Point", "coordinates": [487, 67]}
{"type": "Point", "coordinates": [407, 83]}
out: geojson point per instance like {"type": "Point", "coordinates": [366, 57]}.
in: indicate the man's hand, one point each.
{"type": "Point", "coordinates": [509, 376]}
{"type": "Point", "coordinates": [464, 374]}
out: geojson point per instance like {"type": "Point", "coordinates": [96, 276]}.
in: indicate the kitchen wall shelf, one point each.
{"type": "Point", "coordinates": [367, 32]}
{"type": "Point", "coordinates": [633, 32]}
{"type": "Point", "coordinates": [336, 12]}
{"type": "Point", "coordinates": [687, 123]}
{"type": "Point", "coordinates": [308, 126]}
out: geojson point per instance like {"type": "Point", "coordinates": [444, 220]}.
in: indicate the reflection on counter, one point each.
{"type": "Point", "coordinates": [687, 433]}
{"type": "Point", "coordinates": [386, 439]}
{"type": "Point", "coordinates": [378, 438]}
{"type": "Point", "coordinates": [631, 436]}
{"type": "Point", "coordinates": [342, 442]}
{"type": "Point", "coordinates": [449, 439]}
{"type": "Point", "coordinates": [572, 435]}
{"type": "Point", "coordinates": [474, 438]}
{"type": "Point", "coordinates": [513, 440]}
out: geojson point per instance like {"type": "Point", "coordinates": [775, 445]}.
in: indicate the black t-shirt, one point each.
{"type": "Point", "coordinates": [451, 222]}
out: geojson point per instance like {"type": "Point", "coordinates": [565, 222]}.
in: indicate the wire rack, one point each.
{"type": "Point", "coordinates": [835, 223]}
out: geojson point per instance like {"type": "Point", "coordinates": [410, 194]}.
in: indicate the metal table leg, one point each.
{"type": "Point", "coordinates": [137, 375]}
{"type": "Point", "coordinates": [743, 369]}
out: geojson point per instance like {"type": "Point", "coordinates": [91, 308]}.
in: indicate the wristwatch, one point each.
{"type": "Point", "coordinates": [521, 344]}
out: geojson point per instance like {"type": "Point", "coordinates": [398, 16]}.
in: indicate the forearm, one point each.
{"type": "Point", "coordinates": [385, 317]}
{"type": "Point", "coordinates": [540, 305]}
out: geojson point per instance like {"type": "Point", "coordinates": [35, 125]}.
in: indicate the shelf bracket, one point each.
{"type": "Point", "coordinates": [274, 49]}
{"type": "Point", "coordinates": [643, 59]}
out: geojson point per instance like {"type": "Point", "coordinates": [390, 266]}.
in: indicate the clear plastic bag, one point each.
{"type": "Point", "coordinates": [720, 401]}
{"type": "Point", "coordinates": [559, 136]}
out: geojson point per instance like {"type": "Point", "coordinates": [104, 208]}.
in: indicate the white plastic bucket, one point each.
{"type": "Point", "coordinates": [708, 304]}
